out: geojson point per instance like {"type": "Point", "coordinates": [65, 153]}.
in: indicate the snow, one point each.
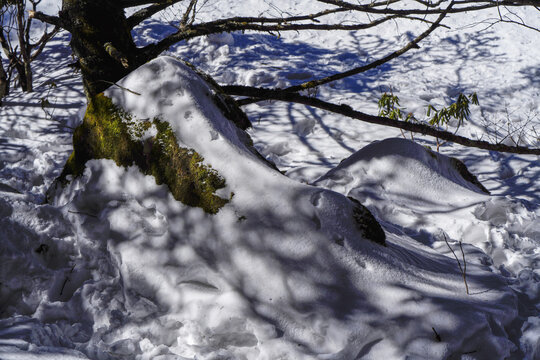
{"type": "Point", "coordinates": [115, 268]}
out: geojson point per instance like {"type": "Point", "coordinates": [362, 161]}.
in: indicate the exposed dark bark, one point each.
{"type": "Point", "coordinates": [4, 83]}
{"type": "Point", "coordinates": [93, 25]}
{"type": "Point", "coordinates": [25, 76]}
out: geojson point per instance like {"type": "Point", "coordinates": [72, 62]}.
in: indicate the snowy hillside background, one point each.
{"type": "Point", "coordinates": [115, 268]}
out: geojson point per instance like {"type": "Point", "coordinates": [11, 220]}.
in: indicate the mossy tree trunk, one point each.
{"type": "Point", "coordinates": [101, 40]}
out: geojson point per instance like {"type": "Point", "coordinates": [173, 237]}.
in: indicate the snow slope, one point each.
{"type": "Point", "coordinates": [116, 268]}
{"type": "Point", "coordinates": [280, 271]}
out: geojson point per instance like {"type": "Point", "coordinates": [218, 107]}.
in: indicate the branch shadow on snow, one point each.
{"type": "Point", "coordinates": [296, 292]}
{"type": "Point", "coordinates": [41, 122]}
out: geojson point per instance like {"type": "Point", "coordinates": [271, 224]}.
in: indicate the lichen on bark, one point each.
{"type": "Point", "coordinates": [108, 132]}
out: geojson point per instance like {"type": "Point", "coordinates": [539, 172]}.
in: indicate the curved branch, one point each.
{"type": "Point", "coordinates": [228, 25]}
{"type": "Point", "coordinates": [132, 3]}
{"type": "Point", "coordinates": [43, 41]}
{"type": "Point", "coordinates": [430, 10]}
{"type": "Point", "coordinates": [412, 44]}
{"type": "Point", "coordinates": [147, 12]}
{"type": "Point", "coordinates": [346, 110]}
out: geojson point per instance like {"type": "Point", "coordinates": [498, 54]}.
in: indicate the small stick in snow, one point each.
{"type": "Point", "coordinates": [66, 280]}
{"type": "Point", "coordinates": [437, 336]}
{"type": "Point", "coordinates": [121, 87]}
{"type": "Point", "coordinates": [462, 269]}
{"type": "Point", "coordinates": [82, 213]}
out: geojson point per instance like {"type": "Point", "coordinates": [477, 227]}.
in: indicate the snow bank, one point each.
{"type": "Point", "coordinates": [122, 270]}
{"type": "Point", "coordinates": [401, 181]}
{"type": "Point", "coordinates": [420, 193]}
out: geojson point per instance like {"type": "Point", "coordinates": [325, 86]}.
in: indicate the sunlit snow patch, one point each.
{"type": "Point", "coordinates": [422, 194]}
{"type": "Point", "coordinates": [408, 185]}
{"type": "Point", "coordinates": [282, 271]}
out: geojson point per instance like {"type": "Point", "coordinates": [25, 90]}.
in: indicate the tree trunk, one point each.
{"type": "Point", "coordinates": [4, 82]}
{"type": "Point", "coordinates": [101, 40]}
{"type": "Point", "coordinates": [21, 72]}
{"type": "Point", "coordinates": [28, 78]}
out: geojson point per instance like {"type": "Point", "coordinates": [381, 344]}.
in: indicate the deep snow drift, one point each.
{"type": "Point", "coordinates": [117, 268]}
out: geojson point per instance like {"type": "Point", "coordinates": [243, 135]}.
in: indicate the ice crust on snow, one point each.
{"type": "Point", "coordinates": [281, 271]}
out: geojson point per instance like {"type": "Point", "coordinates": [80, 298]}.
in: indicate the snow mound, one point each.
{"type": "Point", "coordinates": [402, 181]}
{"type": "Point", "coordinates": [413, 190]}
{"type": "Point", "coordinates": [401, 167]}
{"type": "Point", "coordinates": [284, 270]}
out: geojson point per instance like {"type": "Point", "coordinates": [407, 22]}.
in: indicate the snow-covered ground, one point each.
{"type": "Point", "coordinates": [115, 268]}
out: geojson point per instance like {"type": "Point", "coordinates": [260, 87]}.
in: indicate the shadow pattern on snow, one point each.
{"type": "Point", "coordinates": [282, 264]}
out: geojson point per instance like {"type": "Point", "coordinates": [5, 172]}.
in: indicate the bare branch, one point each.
{"type": "Point", "coordinates": [147, 12]}
{"type": "Point", "coordinates": [132, 3]}
{"type": "Point", "coordinates": [411, 45]}
{"type": "Point", "coordinates": [279, 20]}
{"type": "Point", "coordinates": [53, 20]}
{"type": "Point", "coordinates": [238, 24]}
{"type": "Point", "coordinates": [185, 18]}
{"type": "Point", "coordinates": [463, 269]}
{"type": "Point", "coordinates": [461, 6]}
{"type": "Point", "coordinates": [270, 94]}
{"type": "Point", "coordinates": [43, 41]}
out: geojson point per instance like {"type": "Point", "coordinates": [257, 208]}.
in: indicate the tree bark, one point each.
{"type": "Point", "coordinates": [4, 82]}
{"type": "Point", "coordinates": [96, 27]}
{"type": "Point", "coordinates": [23, 81]}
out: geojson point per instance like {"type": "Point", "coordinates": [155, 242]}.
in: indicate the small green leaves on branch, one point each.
{"type": "Point", "coordinates": [255, 94]}
{"type": "Point", "coordinates": [389, 107]}
{"type": "Point", "coordinates": [459, 110]}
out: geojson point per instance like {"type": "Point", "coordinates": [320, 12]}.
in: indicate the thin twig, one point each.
{"type": "Point", "coordinates": [464, 267]}
{"type": "Point", "coordinates": [437, 336]}
{"type": "Point", "coordinates": [82, 213]}
{"type": "Point", "coordinates": [121, 87]}
{"type": "Point", "coordinates": [458, 262]}
{"type": "Point", "coordinates": [66, 280]}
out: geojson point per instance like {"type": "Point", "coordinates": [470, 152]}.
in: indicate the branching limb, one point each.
{"type": "Point", "coordinates": [43, 41]}
{"type": "Point", "coordinates": [132, 3]}
{"type": "Point", "coordinates": [411, 45]}
{"type": "Point", "coordinates": [48, 19]}
{"type": "Point", "coordinates": [147, 12]}
{"type": "Point", "coordinates": [507, 19]}
{"type": "Point", "coordinates": [239, 24]}
{"type": "Point", "coordinates": [185, 18]}
{"type": "Point", "coordinates": [461, 6]}
{"type": "Point", "coordinates": [269, 94]}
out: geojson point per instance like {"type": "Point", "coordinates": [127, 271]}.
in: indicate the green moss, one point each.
{"type": "Point", "coordinates": [108, 132]}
